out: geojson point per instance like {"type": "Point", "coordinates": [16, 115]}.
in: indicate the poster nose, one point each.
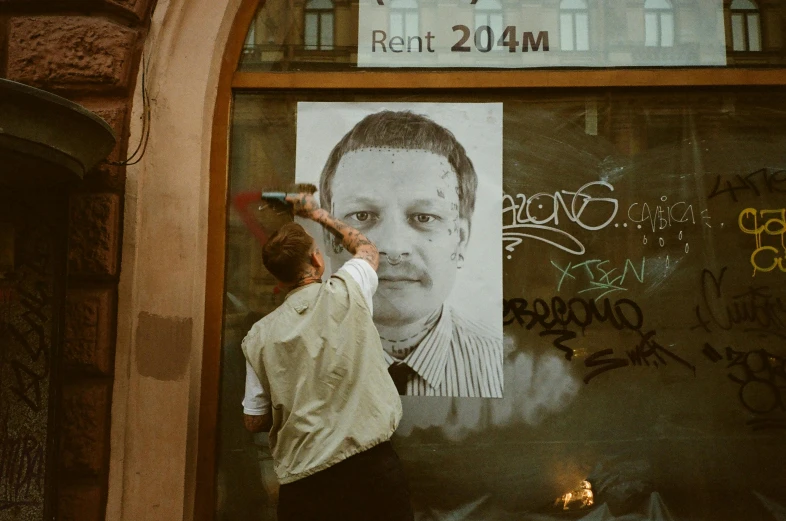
{"type": "Point", "coordinates": [393, 239]}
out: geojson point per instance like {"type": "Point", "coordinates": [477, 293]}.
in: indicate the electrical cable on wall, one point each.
{"type": "Point", "coordinates": [139, 152]}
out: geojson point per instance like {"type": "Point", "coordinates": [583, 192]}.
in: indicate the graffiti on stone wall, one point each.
{"type": "Point", "coordinates": [25, 338]}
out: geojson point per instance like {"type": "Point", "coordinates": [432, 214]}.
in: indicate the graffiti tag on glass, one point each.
{"type": "Point", "coordinates": [765, 257]}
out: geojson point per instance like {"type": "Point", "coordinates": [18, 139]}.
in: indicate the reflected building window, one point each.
{"type": "Point", "coordinates": [404, 18]}
{"type": "Point", "coordinates": [489, 13]}
{"type": "Point", "coordinates": [745, 26]}
{"type": "Point", "coordinates": [318, 26]}
{"type": "Point", "coordinates": [658, 23]}
{"type": "Point", "coordinates": [574, 25]}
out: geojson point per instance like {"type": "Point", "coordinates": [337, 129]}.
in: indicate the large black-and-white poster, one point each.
{"type": "Point", "coordinates": [424, 182]}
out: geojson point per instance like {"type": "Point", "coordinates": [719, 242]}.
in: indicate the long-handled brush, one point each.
{"type": "Point", "coordinates": [276, 199]}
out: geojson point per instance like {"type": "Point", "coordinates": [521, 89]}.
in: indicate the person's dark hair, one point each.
{"type": "Point", "coordinates": [286, 253]}
{"type": "Point", "coordinates": [404, 129]}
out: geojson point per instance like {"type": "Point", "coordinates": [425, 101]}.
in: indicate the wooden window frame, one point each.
{"type": "Point", "coordinates": [231, 81]}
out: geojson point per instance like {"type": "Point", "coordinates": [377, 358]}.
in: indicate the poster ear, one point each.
{"type": "Point", "coordinates": [463, 229]}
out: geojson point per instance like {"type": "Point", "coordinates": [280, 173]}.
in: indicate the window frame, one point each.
{"type": "Point", "coordinates": [230, 81]}
{"type": "Point", "coordinates": [483, 16]}
{"type": "Point", "coordinates": [320, 13]}
{"type": "Point", "coordinates": [403, 11]}
{"type": "Point", "coordinates": [659, 12]}
{"type": "Point", "coordinates": [572, 12]}
{"type": "Point", "coordinates": [745, 13]}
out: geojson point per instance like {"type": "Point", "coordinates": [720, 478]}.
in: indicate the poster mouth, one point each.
{"type": "Point", "coordinates": [397, 283]}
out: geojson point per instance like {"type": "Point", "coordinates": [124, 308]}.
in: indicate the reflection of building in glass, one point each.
{"type": "Point", "coordinates": [574, 25]}
{"type": "Point", "coordinates": [658, 23]}
{"type": "Point", "coordinates": [745, 26]}
{"type": "Point", "coordinates": [318, 25]}
{"type": "Point", "coordinates": [324, 33]}
{"type": "Point", "coordinates": [404, 18]}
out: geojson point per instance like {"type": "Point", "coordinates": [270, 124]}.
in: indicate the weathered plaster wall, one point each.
{"type": "Point", "coordinates": [155, 409]}
{"type": "Point", "coordinates": [87, 51]}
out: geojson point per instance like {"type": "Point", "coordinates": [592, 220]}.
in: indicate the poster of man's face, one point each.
{"type": "Point", "coordinates": [423, 181]}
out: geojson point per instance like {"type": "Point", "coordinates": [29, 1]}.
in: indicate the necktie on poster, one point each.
{"type": "Point", "coordinates": [540, 34]}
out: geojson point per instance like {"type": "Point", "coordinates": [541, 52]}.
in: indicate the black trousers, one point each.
{"type": "Point", "coordinates": [369, 486]}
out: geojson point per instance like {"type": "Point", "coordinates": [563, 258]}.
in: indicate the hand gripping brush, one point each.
{"type": "Point", "coordinates": [276, 200]}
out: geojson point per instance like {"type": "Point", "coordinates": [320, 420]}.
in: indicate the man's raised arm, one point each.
{"type": "Point", "coordinates": [355, 242]}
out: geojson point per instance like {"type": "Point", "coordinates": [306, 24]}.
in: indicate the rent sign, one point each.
{"type": "Point", "coordinates": [541, 33]}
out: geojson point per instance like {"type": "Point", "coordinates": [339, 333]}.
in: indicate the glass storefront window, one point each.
{"type": "Point", "coordinates": [640, 237]}
{"type": "Point", "coordinates": [643, 281]}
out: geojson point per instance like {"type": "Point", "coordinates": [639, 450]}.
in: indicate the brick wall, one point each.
{"type": "Point", "coordinates": [88, 52]}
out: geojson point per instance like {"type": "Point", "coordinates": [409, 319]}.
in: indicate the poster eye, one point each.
{"type": "Point", "coordinates": [361, 216]}
{"type": "Point", "coordinates": [424, 218]}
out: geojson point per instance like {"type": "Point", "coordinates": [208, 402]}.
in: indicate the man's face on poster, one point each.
{"type": "Point", "coordinates": [406, 202]}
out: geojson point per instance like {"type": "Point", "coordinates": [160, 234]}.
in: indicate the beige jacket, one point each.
{"type": "Point", "coordinates": [319, 359]}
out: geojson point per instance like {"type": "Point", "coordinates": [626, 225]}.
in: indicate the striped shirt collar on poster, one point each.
{"type": "Point", "coordinates": [439, 353]}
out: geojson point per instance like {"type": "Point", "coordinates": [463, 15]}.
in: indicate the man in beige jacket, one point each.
{"type": "Point", "coordinates": [318, 381]}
